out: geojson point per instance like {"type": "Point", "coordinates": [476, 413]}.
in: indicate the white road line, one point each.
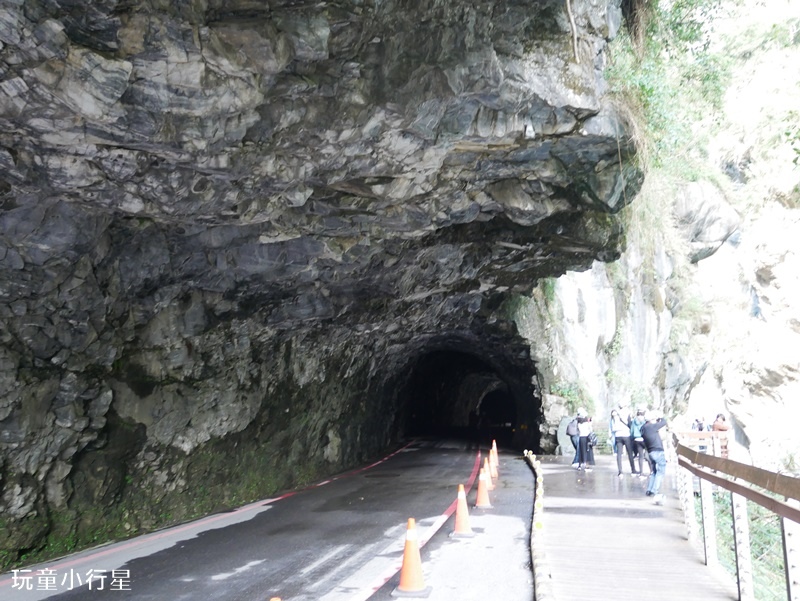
{"type": "Point", "coordinates": [239, 570]}
{"type": "Point", "coordinates": [377, 552]}
{"type": "Point", "coordinates": [322, 582]}
{"type": "Point", "coordinates": [386, 562]}
{"type": "Point", "coordinates": [325, 558]}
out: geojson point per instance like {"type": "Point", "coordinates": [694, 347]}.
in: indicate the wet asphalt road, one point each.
{"type": "Point", "coordinates": [339, 540]}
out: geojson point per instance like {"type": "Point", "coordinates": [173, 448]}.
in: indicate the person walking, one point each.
{"type": "Point", "coordinates": [655, 453]}
{"type": "Point", "coordinates": [574, 438]}
{"type": "Point", "coordinates": [612, 440]}
{"type": "Point", "coordinates": [585, 453]}
{"type": "Point", "coordinates": [622, 439]}
{"type": "Point", "coordinates": [639, 450]}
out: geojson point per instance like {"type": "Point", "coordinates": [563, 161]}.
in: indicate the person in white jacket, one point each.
{"type": "Point", "coordinates": [585, 450]}
{"type": "Point", "coordinates": [621, 433]}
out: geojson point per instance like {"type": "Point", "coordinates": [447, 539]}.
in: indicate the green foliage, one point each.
{"type": "Point", "coordinates": [642, 86]}
{"type": "Point", "coordinates": [548, 287]}
{"type": "Point", "coordinates": [687, 314]}
{"type": "Point", "coordinates": [766, 549]}
{"type": "Point", "coordinates": [618, 277]}
{"type": "Point", "coordinates": [784, 34]}
{"type": "Point", "coordinates": [573, 395]}
{"type": "Point", "coordinates": [683, 25]}
{"type": "Point", "coordinates": [670, 79]}
{"type": "Point", "coordinates": [613, 347]}
{"type": "Point", "coordinates": [638, 395]}
{"type": "Point", "coordinates": [792, 135]}
{"type": "Point", "coordinates": [513, 307]}
{"type": "Point", "coordinates": [791, 464]}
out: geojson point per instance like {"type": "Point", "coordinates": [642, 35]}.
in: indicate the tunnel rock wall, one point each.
{"type": "Point", "coordinates": [142, 446]}
{"type": "Point", "coordinates": [227, 228]}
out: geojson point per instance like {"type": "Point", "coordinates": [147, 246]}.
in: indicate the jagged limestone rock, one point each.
{"type": "Point", "coordinates": [229, 231]}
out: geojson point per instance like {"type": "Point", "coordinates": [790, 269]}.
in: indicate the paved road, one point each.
{"type": "Point", "coordinates": [340, 540]}
{"type": "Point", "coordinates": [493, 565]}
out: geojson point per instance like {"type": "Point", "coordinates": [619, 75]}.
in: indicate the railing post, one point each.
{"type": "Point", "coordinates": [686, 492]}
{"type": "Point", "coordinates": [791, 555]}
{"type": "Point", "coordinates": [709, 522]}
{"type": "Point", "coordinates": [741, 538]}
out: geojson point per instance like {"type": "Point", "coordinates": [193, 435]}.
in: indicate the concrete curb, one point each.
{"type": "Point", "coordinates": [542, 579]}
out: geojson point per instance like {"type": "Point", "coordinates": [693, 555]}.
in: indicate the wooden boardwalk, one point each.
{"type": "Point", "coordinates": [602, 538]}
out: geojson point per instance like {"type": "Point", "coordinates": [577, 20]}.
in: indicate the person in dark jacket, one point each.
{"type": "Point", "coordinates": [655, 454]}
{"type": "Point", "coordinates": [574, 437]}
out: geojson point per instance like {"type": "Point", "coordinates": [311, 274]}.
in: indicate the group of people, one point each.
{"type": "Point", "coordinates": [720, 424]}
{"type": "Point", "coordinates": [638, 434]}
{"type": "Point", "coordinates": [626, 432]}
{"type": "Point", "coordinates": [579, 431]}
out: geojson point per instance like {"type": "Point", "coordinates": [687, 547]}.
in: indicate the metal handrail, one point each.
{"type": "Point", "coordinates": [743, 482]}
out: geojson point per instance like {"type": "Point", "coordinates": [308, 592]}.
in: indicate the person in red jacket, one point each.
{"type": "Point", "coordinates": [720, 424]}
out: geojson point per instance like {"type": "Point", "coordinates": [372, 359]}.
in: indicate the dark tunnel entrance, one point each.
{"type": "Point", "coordinates": [443, 387]}
{"type": "Point", "coordinates": [498, 416]}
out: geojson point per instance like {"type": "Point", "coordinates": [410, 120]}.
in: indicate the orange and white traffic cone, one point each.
{"type": "Point", "coordinates": [462, 529]}
{"type": "Point", "coordinates": [488, 471]}
{"type": "Point", "coordinates": [482, 501]}
{"type": "Point", "coordinates": [493, 465]}
{"type": "Point", "coordinates": [412, 583]}
{"type": "Point", "coordinates": [495, 460]}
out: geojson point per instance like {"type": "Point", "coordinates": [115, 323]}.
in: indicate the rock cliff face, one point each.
{"type": "Point", "coordinates": [244, 244]}
{"type": "Point", "coordinates": [699, 318]}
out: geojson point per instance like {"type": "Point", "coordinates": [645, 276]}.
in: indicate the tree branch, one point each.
{"type": "Point", "coordinates": [574, 31]}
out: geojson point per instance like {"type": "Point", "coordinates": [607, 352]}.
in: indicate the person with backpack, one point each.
{"type": "Point", "coordinates": [572, 432]}
{"type": "Point", "coordinates": [639, 449]}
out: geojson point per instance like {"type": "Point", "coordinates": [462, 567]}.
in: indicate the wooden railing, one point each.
{"type": "Point", "coordinates": [778, 493]}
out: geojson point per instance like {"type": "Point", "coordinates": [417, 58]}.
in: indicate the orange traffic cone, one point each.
{"type": "Point", "coordinates": [463, 529]}
{"type": "Point", "coordinates": [412, 584]}
{"type": "Point", "coordinates": [488, 471]}
{"type": "Point", "coordinates": [493, 455]}
{"type": "Point", "coordinates": [483, 495]}
{"type": "Point", "coordinates": [493, 466]}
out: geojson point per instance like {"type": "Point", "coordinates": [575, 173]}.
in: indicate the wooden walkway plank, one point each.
{"type": "Point", "coordinates": [602, 538]}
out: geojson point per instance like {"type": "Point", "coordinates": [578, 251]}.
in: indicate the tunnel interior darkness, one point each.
{"type": "Point", "coordinates": [499, 413]}
{"type": "Point", "coordinates": [444, 386]}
